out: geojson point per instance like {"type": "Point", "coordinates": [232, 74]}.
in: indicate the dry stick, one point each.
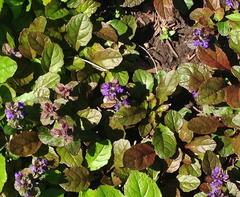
{"type": "Point", "coordinates": [154, 63]}
{"type": "Point", "coordinates": [172, 49]}
{"type": "Point", "coordinates": [95, 65]}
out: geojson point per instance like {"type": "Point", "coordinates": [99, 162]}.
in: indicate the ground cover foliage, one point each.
{"type": "Point", "coordinates": [87, 110]}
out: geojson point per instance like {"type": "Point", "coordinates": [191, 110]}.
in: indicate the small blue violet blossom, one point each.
{"type": "Point", "coordinates": [39, 166]}
{"type": "Point", "coordinates": [114, 94]}
{"type": "Point", "coordinates": [200, 39]}
{"type": "Point", "coordinates": [229, 3]}
{"type": "Point", "coordinates": [14, 111]}
{"type": "Point", "coordinates": [218, 179]}
{"type": "Point", "coordinates": [24, 184]}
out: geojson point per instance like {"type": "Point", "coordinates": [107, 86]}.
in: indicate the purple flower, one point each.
{"type": "Point", "coordinates": [64, 91]}
{"type": "Point", "coordinates": [24, 183]}
{"type": "Point", "coordinates": [64, 130]}
{"type": "Point", "coordinates": [14, 111]}
{"type": "Point", "coordinates": [229, 3]}
{"type": "Point", "coordinates": [114, 95]}
{"type": "Point", "coordinates": [218, 179]}
{"type": "Point", "coordinates": [49, 112]}
{"type": "Point", "coordinates": [200, 39]}
{"type": "Point", "coordinates": [39, 166]}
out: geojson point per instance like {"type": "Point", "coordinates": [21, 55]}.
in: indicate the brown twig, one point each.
{"type": "Point", "coordinates": [172, 49]}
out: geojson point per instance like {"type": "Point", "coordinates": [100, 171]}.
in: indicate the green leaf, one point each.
{"type": "Point", "coordinates": [45, 2]}
{"type": "Point", "coordinates": [140, 185]}
{"type": "Point", "coordinates": [201, 144]}
{"type": "Point", "coordinates": [223, 28]}
{"type": "Point", "coordinates": [1, 5]}
{"type": "Point", "coordinates": [236, 120]}
{"type": "Point", "coordinates": [233, 189]}
{"type": "Point", "coordinates": [131, 22]}
{"type": "Point", "coordinates": [212, 92]}
{"type": "Point", "coordinates": [210, 161]}
{"type": "Point", "coordinates": [3, 172]}
{"type": "Point", "coordinates": [48, 80]}
{"type": "Point", "coordinates": [120, 26]}
{"type": "Point", "coordinates": [143, 77]}
{"type": "Point", "coordinates": [7, 68]}
{"type": "Point", "coordinates": [236, 71]}
{"type": "Point", "coordinates": [88, 7]}
{"type": "Point", "coordinates": [167, 85]}
{"type": "Point", "coordinates": [191, 76]}
{"type": "Point", "coordinates": [67, 158]}
{"type": "Point", "coordinates": [119, 147]}
{"type": "Point", "coordinates": [121, 76]}
{"type": "Point", "coordinates": [188, 182]}
{"type": "Point", "coordinates": [173, 120]}
{"type": "Point", "coordinates": [127, 116]}
{"type": "Point", "coordinates": [79, 31]}
{"type": "Point", "coordinates": [234, 17]}
{"type": "Point", "coordinates": [77, 179]}
{"type": "Point", "coordinates": [132, 3]}
{"type": "Point", "coordinates": [52, 58]}
{"type": "Point", "coordinates": [193, 169]}
{"type": "Point", "coordinates": [102, 191]}
{"type": "Point", "coordinates": [98, 154]}
{"type": "Point", "coordinates": [164, 142]}
{"type": "Point", "coordinates": [189, 3]}
{"type": "Point", "coordinates": [54, 11]}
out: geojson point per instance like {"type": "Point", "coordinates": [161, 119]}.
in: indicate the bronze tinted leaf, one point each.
{"type": "Point", "coordinates": [213, 4]}
{"type": "Point", "coordinates": [232, 96]}
{"type": "Point", "coordinates": [235, 145]}
{"type": "Point", "coordinates": [216, 59]}
{"type": "Point", "coordinates": [139, 157]}
{"type": "Point", "coordinates": [25, 144]}
{"type": "Point", "coordinates": [37, 41]}
{"type": "Point", "coordinates": [210, 161]}
{"type": "Point", "coordinates": [164, 9]}
{"type": "Point", "coordinates": [107, 33]}
{"type": "Point", "coordinates": [202, 16]}
{"type": "Point", "coordinates": [204, 125]}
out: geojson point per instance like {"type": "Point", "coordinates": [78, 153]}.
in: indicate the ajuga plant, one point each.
{"type": "Point", "coordinates": [79, 117]}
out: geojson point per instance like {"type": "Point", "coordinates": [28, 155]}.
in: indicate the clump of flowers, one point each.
{"type": "Point", "coordinates": [14, 112]}
{"type": "Point", "coordinates": [218, 178]}
{"type": "Point", "coordinates": [49, 112]}
{"type": "Point", "coordinates": [114, 95]}
{"type": "Point", "coordinates": [200, 39]}
{"type": "Point", "coordinates": [232, 4]}
{"type": "Point", "coordinates": [64, 91]}
{"type": "Point", "coordinates": [27, 180]}
{"type": "Point", "coordinates": [64, 129]}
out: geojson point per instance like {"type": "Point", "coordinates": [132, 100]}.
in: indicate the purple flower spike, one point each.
{"type": "Point", "coordinates": [200, 39]}
{"type": "Point", "coordinates": [14, 111]}
{"type": "Point", "coordinates": [218, 179]}
{"type": "Point", "coordinates": [229, 3]}
{"type": "Point", "coordinates": [39, 166]}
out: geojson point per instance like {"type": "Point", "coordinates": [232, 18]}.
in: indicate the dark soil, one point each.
{"type": "Point", "coordinates": [166, 54]}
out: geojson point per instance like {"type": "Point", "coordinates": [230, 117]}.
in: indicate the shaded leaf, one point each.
{"type": "Point", "coordinates": [132, 3]}
{"type": "Point", "coordinates": [143, 77]}
{"type": "Point", "coordinates": [77, 179]}
{"type": "Point", "coordinates": [202, 16]}
{"type": "Point", "coordinates": [127, 116]}
{"type": "Point", "coordinates": [107, 33]}
{"type": "Point", "coordinates": [67, 158]}
{"type": "Point", "coordinates": [210, 161]}
{"type": "Point", "coordinates": [37, 41]}
{"type": "Point", "coordinates": [164, 142]}
{"type": "Point", "coordinates": [235, 145]}
{"type": "Point", "coordinates": [140, 185]}
{"type": "Point", "coordinates": [25, 144]}
{"type": "Point", "coordinates": [193, 169]}
{"type": "Point", "coordinates": [211, 92]}
{"type": "Point", "coordinates": [139, 157]}
{"type": "Point", "coordinates": [203, 125]}
{"type": "Point", "coordinates": [216, 59]}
